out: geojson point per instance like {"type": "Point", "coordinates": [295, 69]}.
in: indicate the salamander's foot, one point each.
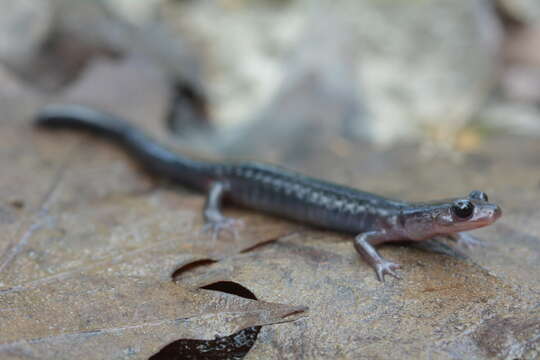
{"type": "Point", "coordinates": [223, 223]}
{"type": "Point", "coordinates": [386, 268]}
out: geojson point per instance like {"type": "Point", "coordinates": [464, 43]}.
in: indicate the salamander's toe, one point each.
{"type": "Point", "coordinates": [386, 268]}
{"type": "Point", "coordinates": [224, 223]}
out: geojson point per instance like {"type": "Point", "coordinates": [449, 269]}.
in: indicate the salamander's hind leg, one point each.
{"type": "Point", "coordinates": [364, 244]}
{"type": "Point", "coordinates": [215, 220]}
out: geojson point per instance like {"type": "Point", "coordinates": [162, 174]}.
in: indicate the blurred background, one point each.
{"type": "Point", "coordinates": [233, 76]}
{"type": "Point", "coordinates": [413, 99]}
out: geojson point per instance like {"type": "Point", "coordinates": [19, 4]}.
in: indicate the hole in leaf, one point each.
{"type": "Point", "coordinates": [191, 266]}
{"type": "Point", "coordinates": [231, 287]}
{"type": "Point", "coordinates": [232, 347]}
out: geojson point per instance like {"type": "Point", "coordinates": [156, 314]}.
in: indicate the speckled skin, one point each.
{"type": "Point", "coordinates": [285, 193]}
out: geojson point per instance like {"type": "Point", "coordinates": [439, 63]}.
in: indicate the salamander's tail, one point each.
{"type": "Point", "coordinates": [154, 156]}
{"type": "Point", "coordinates": [85, 118]}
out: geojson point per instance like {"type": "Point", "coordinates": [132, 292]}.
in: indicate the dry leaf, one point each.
{"type": "Point", "coordinates": [86, 267]}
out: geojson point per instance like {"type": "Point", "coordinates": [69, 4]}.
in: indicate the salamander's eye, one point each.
{"type": "Point", "coordinates": [463, 209]}
{"type": "Point", "coordinates": [478, 195]}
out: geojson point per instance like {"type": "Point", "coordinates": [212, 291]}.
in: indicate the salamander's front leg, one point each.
{"type": "Point", "coordinates": [215, 220]}
{"type": "Point", "coordinates": [364, 244]}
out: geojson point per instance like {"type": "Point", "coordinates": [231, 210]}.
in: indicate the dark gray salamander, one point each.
{"type": "Point", "coordinates": [374, 219]}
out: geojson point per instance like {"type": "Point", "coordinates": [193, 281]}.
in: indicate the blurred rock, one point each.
{"type": "Point", "coordinates": [60, 61]}
{"type": "Point", "coordinates": [417, 64]}
{"type": "Point", "coordinates": [11, 89]}
{"type": "Point", "coordinates": [521, 77]}
{"type": "Point", "coordinates": [133, 88]}
{"type": "Point", "coordinates": [522, 83]}
{"type": "Point", "coordinates": [39, 52]}
{"type": "Point", "coordinates": [317, 99]}
{"type": "Point", "coordinates": [523, 46]}
{"type": "Point", "coordinates": [50, 55]}
{"type": "Point", "coordinates": [527, 11]}
{"type": "Point", "coordinates": [245, 45]}
{"type": "Point", "coordinates": [24, 25]}
{"type": "Point", "coordinates": [95, 24]}
{"type": "Point", "coordinates": [512, 117]}
{"type": "Point", "coordinates": [425, 65]}
{"type": "Point", "coordinates": [363, 69]}
{"type": "Point", "coordinates": [135, 11]}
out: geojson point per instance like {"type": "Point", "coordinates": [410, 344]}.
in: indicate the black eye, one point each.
{"type": "Point", "coordinates": [478, 195]}
{"type": "Point", "coordinates": [463, 209]}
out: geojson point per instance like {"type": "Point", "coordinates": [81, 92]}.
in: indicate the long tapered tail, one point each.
{"type": "Point", "coordinates": [154, 156]}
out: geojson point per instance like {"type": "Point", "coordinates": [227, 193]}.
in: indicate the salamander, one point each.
{"type": "Point", "coordinates": [372, 219]}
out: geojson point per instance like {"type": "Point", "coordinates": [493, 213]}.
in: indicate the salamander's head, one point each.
{"type": "Point", "coordinates": [450, 216]}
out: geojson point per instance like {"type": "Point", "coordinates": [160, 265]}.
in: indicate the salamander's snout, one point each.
{"type": "Point", "coordinates": [487, 213]}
